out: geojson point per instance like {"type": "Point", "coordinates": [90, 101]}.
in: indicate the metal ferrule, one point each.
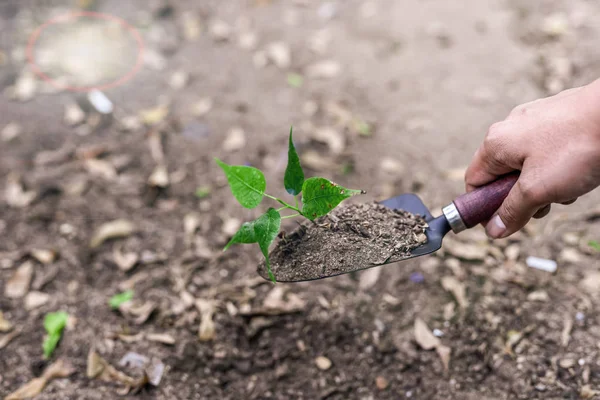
{"type": "Point", "coordinates": [454, 218]}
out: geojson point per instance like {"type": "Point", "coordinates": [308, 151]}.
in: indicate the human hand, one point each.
{"type": "Point", "coordinates": [555, 143]}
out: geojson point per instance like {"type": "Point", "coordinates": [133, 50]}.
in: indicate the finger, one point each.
{"type": "Point", "coordinates": [566, 203]}
{"type": "Point", "coordinates": [523, 201]}
{"type": "Point", "coordinates": [498, 155]}
{"type": "Point", "coordinates": [542, 212]}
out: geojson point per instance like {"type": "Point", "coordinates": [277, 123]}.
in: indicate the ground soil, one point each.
{"type": "Point", "coordinates": [351, 238]}
{"type": "Point", "coordinates": [428, 76]}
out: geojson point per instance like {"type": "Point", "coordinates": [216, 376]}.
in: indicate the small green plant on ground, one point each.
{"type": "Point", "coordinates": [248, 185]}
{"type": "Point", "coordinates": [54, 323]}
{"type": "Point", "coordinates": [120, 298]}
{"type": "Point", "coordinates": [594, 245]}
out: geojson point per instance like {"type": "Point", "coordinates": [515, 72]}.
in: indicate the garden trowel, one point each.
{"type": "Point", "coordinates": [466, 211]}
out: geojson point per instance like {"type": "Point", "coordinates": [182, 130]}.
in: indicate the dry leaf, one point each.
{"type": "Point", "coordinates": [59, 369]}
{"type": "Point", "coordinates": [35, 299]}
{"type": "Point", "coordinates": [512, 252]}
{"type": "Point", "coordinates": [15, 195]}
{"type": "Point", "coordinates": [566, 332]}
{"type": "Point", "coordinates": [235, 140]}
{"type": "Point", "coordinates": [334, 139]}
{"type": "Point", "coordinates": [323, 363]}
{"type": "Point", "coordinates": [131, 338]}
{"type": "Point", "coordinates": [161, 338]}
{"type": "Point", "coordinates": [44, 256]}
{"type": "Point", "coordinates": [5, 325]}
{"type": "Point", "coordinates": [6, 339]}
{"type": "Point", "coordinates": [467, 252]}
{"type": "Point", "coordinates": [457, 289]}
{"type": "Point", "coordinates": [538, 295]}
{"type": "Point", "coordinates": [179, 80]}
{"type": "Point", "coordinates": [25, 87]}
{"type": "Point", "coordinates": [231, 226]}
{"type": "Point", "coordinates": [154, 115]}
{"type": "Point", "coordinates": [313, 160]}
{"type": "Point", "coordinates": [513, 337]}
{"type": "Point", "coordinates": [191, 222]}
{"type": "Point", "coordinates": [591, 283]}
{"type": "Point", "coordinates": [444, 353]}
{"type": "Point", "coordinates": [74, 115]}
{"type": "Point", "coordinates": [95, 364]}
{"type": "Point", "coordinates": [99, 368]}
{"type": "Point", "coordinates": [202, 249]}
{"type": "Point", "coordinates": [324, 69]}
{"type": "Point", "coordinates": [392, 167]}
{"type": "Point", "coordinates": [280, 54]}
{"type": "Point", "coordinates": [206, 330]}
{"type": "Point", "coordinates": [192, 28]}
{"type": "Point", "coordinates": [159, 177]}
{"type": "Point", "coordinates": [18, 285]}
{"type": "Point", "coordinates": [369, 278]}
{"type": "Point", "coordinates": [424, 336]}
{"type": "Point", "coordinates": [156, 147]}
{"type": "Point", "coordinates": [456, 174]}
{"type": "Point", "coordinates": [276, 302]}
{"type": "Point", "coordinates": [100, 168]}
{"type": "Point", "coordinates": [111, 230]}
{"type": "Point", "coordinates": [570, 256]}
{"type": "Point", "coordinates": [139, 312]}
{"type": "Point", "coordinates": [202, 107]}
{"type": "Point", "coordinates": [154, 371]}
{"type": "Point", "coordinates": [219, 30]}
{"type": "Point", "coordinates": [10, 131]}
{"type": "Point", "coordinates": [586, 392]}
{"type": "Point", "coordinates": [125, 261]}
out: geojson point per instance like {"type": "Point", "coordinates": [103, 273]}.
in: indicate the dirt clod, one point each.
{"type": "Point", "coordinates": [351, 238]}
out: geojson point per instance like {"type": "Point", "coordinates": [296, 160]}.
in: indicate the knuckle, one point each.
{"type": "Point", "coordinates": [532, 192]}
{"type": "Point", "coordinates": [521, 109]}
{"type": "Point", "coordinates": [509, 213]}
{"type": "Point", "coordinates": [495, 131]}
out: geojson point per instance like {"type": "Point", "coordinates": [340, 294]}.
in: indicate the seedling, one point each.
{"type": "Point", "coordinates": [54, 323]}
{"type": "Point", "coordinates": [118, 299]}
{"type": "Point", "coordinates": [248, 185]}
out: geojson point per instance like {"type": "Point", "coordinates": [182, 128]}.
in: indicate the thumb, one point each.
{"type": "Point", "coordinates": [514, 213]}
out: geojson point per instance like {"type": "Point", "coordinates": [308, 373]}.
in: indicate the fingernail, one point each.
{"type": "Point", "coordinates": [495, 228]}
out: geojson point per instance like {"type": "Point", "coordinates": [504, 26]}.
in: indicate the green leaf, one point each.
{"type": "Point", "coordinates": [266, 228]}
{"type": "Point", "coordinates": [118, 299]}
{"type": "Point", "coordinates": [320, 196]}
{"type": "Point", "coordinates": [244, 235]}
{"type": "Point", "coordinates": [50, 343]}
{"type": "Point", "coordinates": [594, 245]}
{"type": "Point", "coordinates": [294, 176]}
{"type": "Point", "coordinates": [364, 129]}
{"type": "Point", "coordinates": [202, 192]}
{"type": "Point", "coordinates": [54, 323]}
{"type": "Point", "coordinates": [263, 231]}
{"type": "Point", "coordinates": [295, 80]}
{"type": "Point", "coordinates": [247, 184]}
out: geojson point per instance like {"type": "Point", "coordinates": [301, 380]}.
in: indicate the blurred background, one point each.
{"type": "Point", "coordinates": [111, 113]}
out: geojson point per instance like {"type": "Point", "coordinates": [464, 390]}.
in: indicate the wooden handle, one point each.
{"type": "Point", "coordinates": [479, 205]}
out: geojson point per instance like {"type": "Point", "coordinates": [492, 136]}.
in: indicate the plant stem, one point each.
{"type": "Point", "coordinates": [290, 216]}
{"type": "Point", "coordinates": [297, 205]}
{"type": "Point", "coordinates": [282, 208]}
{"type": "Point", "coordinates": [291, 207]}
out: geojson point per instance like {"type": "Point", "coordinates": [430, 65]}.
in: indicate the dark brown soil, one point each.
{"type": "Point", "coordinates": [352, 237]}
{"type": "Point", "coordinates": [429, 76]}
